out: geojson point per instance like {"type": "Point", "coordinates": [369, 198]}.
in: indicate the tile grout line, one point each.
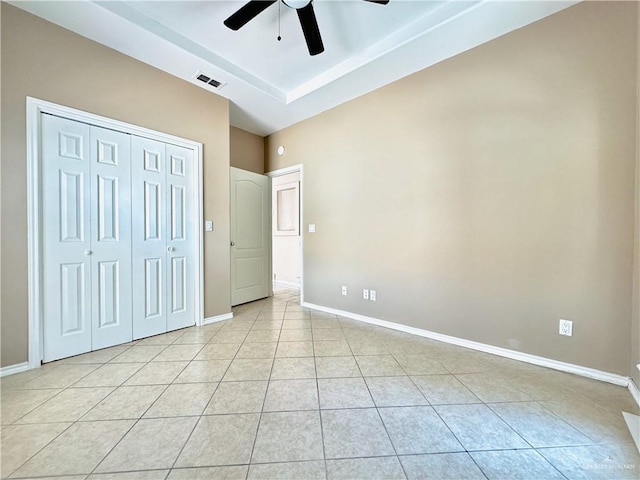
{"type": "Point", "coordinates": [114, 388]}
{"type": "Point", "coordinates": [466, 451]}
{"type": "Point", "coordinates": [264, 399]}
{"type": "Point", "coordinates": [356, 335]}
{"type": "Point", "coordinates": [535, 449]}
{"type": "Point", "coordinates": [137, 421]}
{"type": "Point", "coordinates": [197, 422]}
{"type": "Point", "coordinates": [71, 424]}
{"type": "Point", "coordinates": [382, 421]}
{"type": "Point", "coordinates": [317, 382]}
{"type": "Point", "coordinates": [39, 450]}
{"type": "Point", "coordinates": [429, 404]}
{"type": "Point", "coordinates": [315, 369]}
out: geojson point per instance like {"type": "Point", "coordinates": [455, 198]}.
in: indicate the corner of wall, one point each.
{"type": "Point", "coordinates": [1, 7]}
{"type": "Point", "coordinates": [246, 150]}
{"type": "Point", "coordinates": [265, 153]}
{"type": "Point", "coordinates": [634, 365]}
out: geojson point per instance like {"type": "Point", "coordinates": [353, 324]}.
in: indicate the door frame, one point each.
{"type": "Point", "coordinates": [35, 109]}
{"type": "Point", "coordinates": [278, 173]}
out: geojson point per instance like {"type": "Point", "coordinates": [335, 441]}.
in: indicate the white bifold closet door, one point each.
{"type": "Point", "coordinates": [162, 237]}
{"type": "Point", "coordinates": [86, 194]}
{"type": "Point", "coordinates": [118, 239]}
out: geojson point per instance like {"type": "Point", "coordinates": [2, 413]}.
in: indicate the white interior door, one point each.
{"type": "Point", "coordinates": [286, 241]}
{"type": "Point", "coordinates": [180, 241]}
{"type": "Point", "coordinates": [110, 233]}
{"type": "Point", "coordinates": [250, 236]}
{"type": "Point", "coordinates": [86, 237]}
{"type": "Point", "coordinates": [66, 237]}
{"type": "Point", "coordinates": [149, 237]}
{"type": "Point", "coordinates": [163, 238]}
{"type": "Point", "coordinates": [117, 252]}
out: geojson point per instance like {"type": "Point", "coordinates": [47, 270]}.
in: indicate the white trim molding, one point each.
{"type": "Point", "coordinates": [17, 368]}
{"type": "Point", "coordinates": [35, 109]}
{"type": "Point", "coordinates": [283, 283]}
{"type": "Point", "coordinates": [217, 318]}
{"type": "Point", "coordinates": [284, 171]}
{"type": "Point", "coordinates": [635, 391]}
{"type": "Point", "coordinates": [483, 347]}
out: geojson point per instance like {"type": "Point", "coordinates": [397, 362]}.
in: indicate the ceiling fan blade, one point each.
{"type": "Point", "coordinates": [310, 29]}
{"type": "Point", "coordinates": [247, 12]}
{"type": "Point", "coordinates": [380, 2]}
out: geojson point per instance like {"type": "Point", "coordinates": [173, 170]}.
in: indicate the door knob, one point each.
{"type": "Point", "coordinates": [233, 243]}
{"type": "Point", "coordinates": [170, 249]}
{"type": "Point", "coordinates": [88, 252]}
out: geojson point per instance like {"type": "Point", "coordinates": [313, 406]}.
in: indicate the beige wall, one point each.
{"type": "Point", "coordinates": [246, 150]}
{"type": "Point", "coordinates": [488, 196]}
{"type": "Point", "coordinates": [42, 60]}
{"type": "Point", "coordinates": [0, 197]}
{"type": "Point", "coordinates": [635, 326]}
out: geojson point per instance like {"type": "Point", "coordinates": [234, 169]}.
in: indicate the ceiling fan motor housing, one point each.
{"type": "Point", "coordinates": [296, 3]}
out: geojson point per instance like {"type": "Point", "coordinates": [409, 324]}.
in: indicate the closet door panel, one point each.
{"type": "Point", "coordinates": [66, 245]}
{"type": "Point", "coordinates": [180, 241]}
{"type": "Point", "coordinates": [149, 225]}
{"type": "Point", "coordinates": [118, 240]}
{"type": "Point", "coordinates": [111, 238]}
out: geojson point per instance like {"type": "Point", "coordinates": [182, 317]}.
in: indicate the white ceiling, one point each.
{"type": "Point", "coordinates": [272, 84]}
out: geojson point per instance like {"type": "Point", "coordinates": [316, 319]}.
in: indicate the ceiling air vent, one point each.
{"type": "Point", "coordinates": [208, 80]}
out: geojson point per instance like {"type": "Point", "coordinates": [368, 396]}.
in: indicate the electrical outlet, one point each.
{"type": "Point", "coordinates": [344, 289]}
{"type": "Point", "coordinates": [372, 295]}
{"type": "Point", "coordinates": [365, 294]}
{"type": "Point", "coordinates": [566, 328]}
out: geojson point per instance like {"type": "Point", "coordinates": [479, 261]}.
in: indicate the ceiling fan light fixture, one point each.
{"type": "Point", "coordinates": [297, 4]}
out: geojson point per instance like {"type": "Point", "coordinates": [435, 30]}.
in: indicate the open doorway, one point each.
{"type": "Point", "coordinates": [286, 229]}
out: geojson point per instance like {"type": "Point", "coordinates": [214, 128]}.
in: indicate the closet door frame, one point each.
{"type": "Point", "coordinates": [35, 109]}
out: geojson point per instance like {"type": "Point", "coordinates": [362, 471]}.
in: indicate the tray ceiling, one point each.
{"type": "Point", "coordinates": [272, 84]}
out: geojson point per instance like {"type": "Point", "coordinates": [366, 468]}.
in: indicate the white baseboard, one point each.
{"type": "Point", "coordinates": [24, 366]}
{"type": "Point", "coordinates": [218, 318]}
{"type": "Point", "coordinates": [283, 283]}
{"type": "Point", "coordinates": [483, 347]}
{"type": "Point", "coordinates": [633, 424]}
{"type": "Point", "coordinates": [635, 392]}
{"type": "Point", "coordinates": [11, 369]}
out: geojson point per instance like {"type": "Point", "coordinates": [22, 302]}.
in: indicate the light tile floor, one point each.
{"type": "Point", "coordinates": [284, 392]}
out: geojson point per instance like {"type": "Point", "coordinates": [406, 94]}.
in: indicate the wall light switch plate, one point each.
{"type": "Point", "coordinates": [208, 226]}
{"type": "Point", "coordinates": [344, 289]}
{"type": "Point", "coordinates": [312, 228]}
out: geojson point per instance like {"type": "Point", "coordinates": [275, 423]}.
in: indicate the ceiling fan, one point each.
{"type": "Point", "coordinates": [306, 15]}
